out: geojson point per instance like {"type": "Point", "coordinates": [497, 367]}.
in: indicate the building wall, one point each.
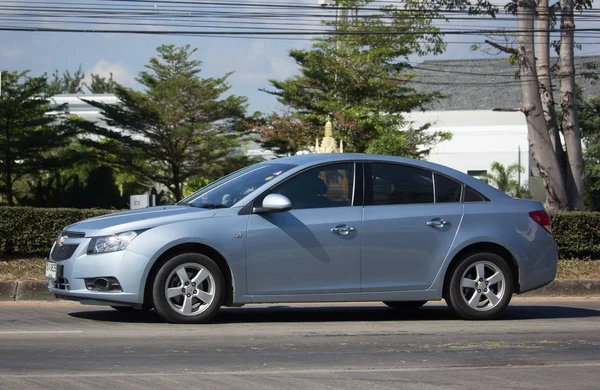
{"type": "Point", "coordinates": [479, 138]}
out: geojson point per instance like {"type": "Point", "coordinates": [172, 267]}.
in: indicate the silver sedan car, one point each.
{"type": "Point", "coordinates": [313, 228]}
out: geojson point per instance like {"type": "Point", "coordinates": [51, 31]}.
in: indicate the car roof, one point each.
{"type": "Point", "coordinates": [306, 160]}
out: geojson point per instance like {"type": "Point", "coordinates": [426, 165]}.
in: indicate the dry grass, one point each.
{"type": "Point", "coordinates": [34, 269]}
{"type": "Point", "coordinates": [579, 269]}
{"type": "Point", "coordinates": [23, 269]}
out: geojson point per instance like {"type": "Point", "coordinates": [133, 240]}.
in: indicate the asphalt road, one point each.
{"type": "Point", "coordinates": [538, 344]}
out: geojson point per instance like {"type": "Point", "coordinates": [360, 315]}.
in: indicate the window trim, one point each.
{"type": "Point", "coordinates": [250, 206]}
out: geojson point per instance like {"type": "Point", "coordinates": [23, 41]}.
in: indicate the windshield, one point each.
{"type": "Point", "coordinates": [228, 190]}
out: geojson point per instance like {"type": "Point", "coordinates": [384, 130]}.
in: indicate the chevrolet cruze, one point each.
{"type": "Point", "coordinates": [313, 228]}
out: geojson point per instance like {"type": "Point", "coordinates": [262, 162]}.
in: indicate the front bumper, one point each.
{"type": "Point", "coordinates": [126, 266]}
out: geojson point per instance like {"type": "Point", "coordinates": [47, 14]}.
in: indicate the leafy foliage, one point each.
{"type": "Point", "coordinates": [100, 85]}
{"type": "Point", "coordinates": [286, 134]}
{"type": "Point", "coordinates": [67, 83]}
{"type": "Point", "coordinates": [31, 231]}
{"type": "Point", "coordinates": [31, 137]}
{"type": "Point", "coordinates": [178, 128]}
{"type": "Point", "coordinates": [503, 179]}
{"type": "Point", "coordinates": [360, 78]}
{"type": "Point", "coordinates": [589, 119]}
{"type": "Point", "coordinates": [577, 234]}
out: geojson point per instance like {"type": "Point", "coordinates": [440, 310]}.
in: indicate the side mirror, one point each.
{"type": "Point", "coordinates": [274, 203]}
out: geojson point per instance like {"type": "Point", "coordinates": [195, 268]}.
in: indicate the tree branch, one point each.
{"type": "Point", "coordinates": [505, 49]}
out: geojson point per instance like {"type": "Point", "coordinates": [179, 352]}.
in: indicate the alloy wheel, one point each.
{"type": "Point", "coordinates": [190, 289]}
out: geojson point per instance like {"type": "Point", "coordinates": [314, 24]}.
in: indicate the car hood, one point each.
{"type": "Point", "coordinates": [138, 219]}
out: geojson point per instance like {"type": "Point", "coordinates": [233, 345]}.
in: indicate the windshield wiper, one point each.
{"type": "Point", "coordinates": [209, 206]}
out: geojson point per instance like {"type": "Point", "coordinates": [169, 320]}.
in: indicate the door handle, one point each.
{"type": "Point", "coordinates": [437, 223]}
{"type": "Point", "coordinates": [343, 229]}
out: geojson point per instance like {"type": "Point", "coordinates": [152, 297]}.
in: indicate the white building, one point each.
{"type": "Point", "coordinates": [479, 138]}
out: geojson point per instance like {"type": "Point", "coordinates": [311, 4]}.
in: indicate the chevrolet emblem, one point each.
{"type": "Point", "coordinates": [61, 240]}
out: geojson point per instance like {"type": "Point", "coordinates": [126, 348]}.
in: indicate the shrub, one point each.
{"type": "Point", "coordinates": [577, 234]}
{"type": "Point", "coordinates": [29, 231]}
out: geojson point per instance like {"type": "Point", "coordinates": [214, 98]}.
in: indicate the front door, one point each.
{"type": "Point", "coordinates": [313, 248]}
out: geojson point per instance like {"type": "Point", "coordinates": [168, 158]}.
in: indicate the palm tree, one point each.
{"type": "Point", "coordinates": [502, 178]}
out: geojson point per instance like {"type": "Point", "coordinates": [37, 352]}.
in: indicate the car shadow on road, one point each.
{"type": "Point", "coordinates": [283, 313]}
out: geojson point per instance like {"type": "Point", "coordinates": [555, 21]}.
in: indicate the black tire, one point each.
{"type": "Point", "coordinates": [167, 307]}
{"type": "Point", "coordinates": [457, 296]}
{"type": "Point", "coordinates": [405, 305]}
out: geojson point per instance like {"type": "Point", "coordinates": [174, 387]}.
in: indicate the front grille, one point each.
{"type": "Point", "coordinates": [63, 252]}
{"type": "Point", "coordinates": [73, 234]}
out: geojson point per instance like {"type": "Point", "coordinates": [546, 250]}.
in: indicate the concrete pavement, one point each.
{"type": "Point", "coordinates": [550, 344]}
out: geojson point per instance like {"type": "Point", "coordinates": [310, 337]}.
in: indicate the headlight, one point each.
{"type": "Point", "coordinates": [114, 243]}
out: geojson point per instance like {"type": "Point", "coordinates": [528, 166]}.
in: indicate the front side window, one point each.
{"type": "Point", "coordinates": [324, 186]}
{"type": "Point", "coordinates": [389, 184]}
{"type": "Point", "coordinates": [230, 189]}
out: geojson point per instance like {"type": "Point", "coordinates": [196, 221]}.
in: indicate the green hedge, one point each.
{"type": "Point", "coordinates": [29, 231]}
{"type": "Point", "coordinates": [577, 234]}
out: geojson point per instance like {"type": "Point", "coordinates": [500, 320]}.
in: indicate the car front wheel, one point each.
{"type": "Point", "coordinates": [188, 289]}
{"type": "Point", "coordinates": [480, 287]}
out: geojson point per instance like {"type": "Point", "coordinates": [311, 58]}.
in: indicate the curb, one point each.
{"type": "Point", "coordinates": [37, 290]}
{"type": "Point", "coordinates": [28, 290]}
{"type": "Point", "coordinates": [33, 290]}
{"type": "Point", "coordinates": [8, 291]}
{"type": "Point", "coordinates": [568, 288]}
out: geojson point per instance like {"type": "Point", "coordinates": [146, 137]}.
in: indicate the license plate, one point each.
{"type": "Point", "coordinates": [51, 270]}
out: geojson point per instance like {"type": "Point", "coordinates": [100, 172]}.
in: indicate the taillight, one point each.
{"type": "Point", "coordinates": [542, 217]}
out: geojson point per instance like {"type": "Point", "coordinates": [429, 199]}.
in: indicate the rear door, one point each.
{"type": "Point", "coordinates": [408, 228]}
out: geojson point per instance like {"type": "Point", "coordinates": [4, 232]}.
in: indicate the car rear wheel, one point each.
{"type": "Point", "coordinates": [405, 305]}
{"type": "Point", "coordinates": [188, 289]}
{"type": "Point", "coordinates": [480, 287]}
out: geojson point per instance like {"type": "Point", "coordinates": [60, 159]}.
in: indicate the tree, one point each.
{"type": "Point", "coordinates": [360, 77]}
{"type": "Point", "coordinates": [561, 166]}
{"type": "Point", "coordinates": [100, 85]}
{"type": "Point", "coordinates": [29, 134]}
{"type": "Point", "coordinates": [179, 127]}
{"type": "Point", "coordinates": [503, 179]}
{"type": "Point", "coordinates": [67, 83]}
{"type": "Point", "coordinates": [285, 134]}
{"type": "Point", "coordinates": [101, 190]}
{"type": "Point", "coordinates": [589, 114]}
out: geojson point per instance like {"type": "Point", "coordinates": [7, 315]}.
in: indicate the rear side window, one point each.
{"type": "Point", "coordinates": [473, 196]}
{"type": "Point", "coordinates": [388, 184]}
{"type": "Point", "coordinates": [447, 190]}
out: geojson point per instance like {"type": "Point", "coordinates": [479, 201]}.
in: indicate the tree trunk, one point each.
{"type": "Point", "coordinates": [539, 137]}
{"type": "Point", "coordinates": [8, 172]}
{"type": "Point", "coordinates": [9, 192]}
{"type": "Point", "coordinates": [177, 190]}
{"type": "Point", "coordinates": [542, 53]}
{"type": "Point", "coordinates": [570, 120]}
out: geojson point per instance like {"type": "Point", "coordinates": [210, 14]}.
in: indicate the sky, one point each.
{"type": "Point", "coordinates": [253, 61]}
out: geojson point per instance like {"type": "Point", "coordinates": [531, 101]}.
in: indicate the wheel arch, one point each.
{"type": "Point", "coordinates": [191, 247]}
{"type": "Point", "coordinates": [479, 247]}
